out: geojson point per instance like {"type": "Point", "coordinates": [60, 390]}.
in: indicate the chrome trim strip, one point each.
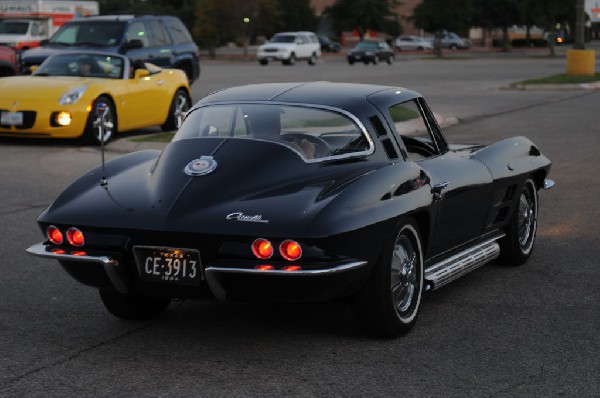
{"type": "Point", "coordinates": [219, 292]}
{"type": "Point", "coordinates": [351, 116]}
{"type": "Point", "coordinates": [460, 264]}
{"type": "Point", "coordinates": [334, 270]}
{"type": "Point", "coordinates": [108, 263]}
{"type": "Point", "coordinates": [40, 251]}
{"type": "Point", "coordinates": [548, 183]}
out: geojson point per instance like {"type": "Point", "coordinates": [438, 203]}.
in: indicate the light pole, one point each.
{"type": "Point", "coordinates": [246, 21]}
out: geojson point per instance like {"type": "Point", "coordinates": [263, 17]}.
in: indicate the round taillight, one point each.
{"type": "Point", "coordinates": [262, 248]}
{"type": "Point", "coordinates": [75, 237]}
{"type": "Point", "coordinates": [290, 250]}
{"type": "Point", "coordinates": [54, 235]}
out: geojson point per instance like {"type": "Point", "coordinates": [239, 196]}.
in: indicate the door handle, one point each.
{"type": "Point", "coordinates": [438, 188]}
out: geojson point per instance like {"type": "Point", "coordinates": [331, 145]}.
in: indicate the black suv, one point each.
{"type": "Point", "coordinates": [159, 39]}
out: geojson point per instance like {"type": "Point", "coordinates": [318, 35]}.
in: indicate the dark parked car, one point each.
{"type": "Point", "coordinates": [328, 45]}
{"type": "Point", "coordinates": [298, 192]}
{"type": "Point", "coordinates": [161, 40]}
{"type": "Point", "coordinates": [370, 51]}
{"type": "Point", "coordinates": [8, 61]}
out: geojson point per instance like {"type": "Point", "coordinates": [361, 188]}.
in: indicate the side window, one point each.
{"type": "Point", "coordinates": [412, 130]}
{"type": "Point", "coordinates": [160, 37]}
{"type": "Point", "coordinates": [137, 31]}
{"type": "Point", "coordinates": [178, 31]}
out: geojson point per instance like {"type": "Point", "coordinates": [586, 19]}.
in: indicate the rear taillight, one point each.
{"type": "Point", "coordinates": [290, 250]}
{"type": "Point", "coordinates": [75, 237]}
{"type": "Point", "coordinates": [54, 235]}
{"type": "Point", "coordinates": [262, 248]}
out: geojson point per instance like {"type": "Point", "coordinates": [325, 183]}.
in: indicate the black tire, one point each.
{"type": "Point", "coordinates": [388, 304]}
{"type": "Point", "coordinates": [263, 61]}
{"type": "Point", "coordinates": [313, 59]}
{"type": "Point", "coordinates": [179, 106]}
{"type": "Point", "coordinates": [517, 245]}
{"type": "Point", "coordinates": [375, 60]}
{"type": "Point", "coordinates": [291, 60]}
{"type": "Point", "coordinates": [350, 62]}
{"type": "Point", "coordinates": [133, 307]}
{"type": "Point", "coordinates": [390, 60]}
{"type": "Point", "coordinates": [108, 120]}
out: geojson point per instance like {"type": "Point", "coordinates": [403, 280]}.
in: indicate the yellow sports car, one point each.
{"type": "Point", "coordinates": [92, 96]}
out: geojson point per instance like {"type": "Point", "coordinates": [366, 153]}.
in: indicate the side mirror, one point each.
{"type": "Point", "coordinates": [139, 73]}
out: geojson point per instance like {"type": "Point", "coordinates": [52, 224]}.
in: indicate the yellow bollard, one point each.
{"type": "Point", "coordinates": [581, 62]}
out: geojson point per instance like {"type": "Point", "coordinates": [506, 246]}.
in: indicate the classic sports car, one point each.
{"type": "Point", "coordinates": [91, 95]}
{"type": "Point", "coordinates": [298, 192]}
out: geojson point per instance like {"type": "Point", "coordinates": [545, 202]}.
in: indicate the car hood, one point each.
{"type": "Point", "coordinates": [256, 187]}
{"type": "Point", "coordinates": [38, 88]}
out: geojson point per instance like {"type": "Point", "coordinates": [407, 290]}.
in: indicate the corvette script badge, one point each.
{"type": "Point", "coordinates": [200, 167]}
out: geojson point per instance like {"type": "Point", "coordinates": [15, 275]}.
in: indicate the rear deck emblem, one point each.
{"type": "Point", "coordinates": [200, 167]}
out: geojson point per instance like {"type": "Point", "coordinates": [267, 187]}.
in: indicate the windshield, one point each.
{"type": "Point", "coordinates": [367, 45]}
{"type": "Point", "coordinates": [13, 28]}
{"type": "Point", "coordinates": [283, 39]}
{"type": "Point", "coordinates": [97, 33]}
{"type": "Point", "coordinates": [92, 65]}
{"type": "Point", "coordinates": [313, 133]}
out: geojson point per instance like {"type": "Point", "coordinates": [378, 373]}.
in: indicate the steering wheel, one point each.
{"type": "Point", "coordinates": [418, 146]}
{"type": "Point", "coordinates": [322, 148]}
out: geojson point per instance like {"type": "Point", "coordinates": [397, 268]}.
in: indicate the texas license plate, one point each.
{"type": "Point", "coordinates": [11, 118]}
{"type": "Point", "coordinates": [167, 264]}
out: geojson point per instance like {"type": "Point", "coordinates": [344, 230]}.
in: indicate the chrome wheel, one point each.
{"type": "Point", "coordinates": [102, 122]}
{"type": "Point", "coordinates": [404, 281]}
{"type": "Point", "coordinates": [179, 106]}
{"type": "Point", "coordinates": [389, 303]}
{"type": "Point", "coordinates": [527, 218]}
{"type": "Point", "coordinates": [104, 125]}
{"type": "Point", "coordinates": [517, 245]}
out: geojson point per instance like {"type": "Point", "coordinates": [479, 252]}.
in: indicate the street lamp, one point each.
{"type": "Point", "coordinates": [246, 21]}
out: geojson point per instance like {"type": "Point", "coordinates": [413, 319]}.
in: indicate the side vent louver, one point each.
{"type": "Point", "coordinates": [378, 126]}
{"type": "Point", "coordinates": [389, 149]}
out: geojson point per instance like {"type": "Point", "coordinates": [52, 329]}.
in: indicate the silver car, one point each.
{"type": "Point", "coordinates": [411, 43]}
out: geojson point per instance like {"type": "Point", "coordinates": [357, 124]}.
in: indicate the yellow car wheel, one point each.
{"type": "Point", "coordinates": [179, 106]}
{"type": "Point", "coordinates": [102, 122]}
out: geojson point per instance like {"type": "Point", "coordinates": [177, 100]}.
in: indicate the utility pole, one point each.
{"type": "Point", "coordinates": [579, 25]}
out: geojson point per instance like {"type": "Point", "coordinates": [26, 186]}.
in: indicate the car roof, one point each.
{"type": "Point", "coordinates": [351, 97]}
{"type": "Point", "coordinates": [118, 17]}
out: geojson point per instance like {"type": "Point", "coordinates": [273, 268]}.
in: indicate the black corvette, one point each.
{"type": "Point", "coordinates": [298, 192]}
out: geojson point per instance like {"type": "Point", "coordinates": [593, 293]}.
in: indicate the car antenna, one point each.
{"type": "Point", "coordinates": [101, 110]}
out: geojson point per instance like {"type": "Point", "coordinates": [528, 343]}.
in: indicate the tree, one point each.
{"type": "Point", "coordinates": [547, 13]}
{"type": "Point", "coordinates": [500, 14]}
{"type": "Point", "coordinates": [437, 15]}
{"type": "Point", "coordinates": [378, 15]}
{"type": "Point", "coordinates": [298, 15]}
{"type": "Point", "coordinates": [223, 21]}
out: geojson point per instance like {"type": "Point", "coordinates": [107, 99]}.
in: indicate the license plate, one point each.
{"type": "Point", "coordinates": [11, 118]}
{"type": "Point", "coordinates": [170, 265]}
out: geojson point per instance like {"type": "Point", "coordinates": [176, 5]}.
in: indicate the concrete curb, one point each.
{"type": "Point", "coordinates": [556, 87]}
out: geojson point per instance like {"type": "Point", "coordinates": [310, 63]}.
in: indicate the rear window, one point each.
{"type": "Point", "coordinates": [314, 133]}
{"type": "Point", "coordinates": [179, 32]}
